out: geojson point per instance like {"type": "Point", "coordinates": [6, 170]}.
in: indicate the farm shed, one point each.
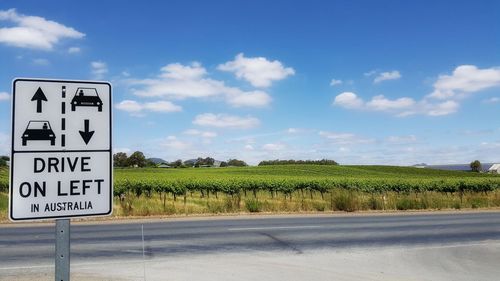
{"type": "Point", "coordinates": [494, 169]}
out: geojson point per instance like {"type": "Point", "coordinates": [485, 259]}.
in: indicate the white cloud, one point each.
{"type": "Point", "coordinates": [42, 62]}
{"type": "Point", "coordinates": [259, 71]}
{"type": "Point", "coordinates": [225, 121]}
{"type": "Point", "coordinates": [177, 81]}
{"type": "Point", "coordinates": [400, 107]}
{"type": "Point", "coordinates": [4, 96]}
{"type": "Point", "coordinates": [464, 80]}
{"type": "Point", "coordinates": [401, 139]}
{"type": "Point", "coordinates": [335, 82]}
{"type": "Point", "coordinates": [344, 149]}
{"type": "Point", "coordinates": [183, 72]}
{"type": "Point", "coordinates": [249, 147]}
{"type": "Point", "coordinates": [251, 99]}
{"type": "Point", "coordinates": [381, 103]}
{"type": "Point", "coordinates": [129, 106]}
{"type": "Point", "coordinates": [33, 32]}
{"type": "Point", "coordinates": [180, 82]}
{"type": "Point", "coordinates": [273, 146]}
{"type": "Point", "coordinates": [344, 138]}
{"type": "Point", "coordinates": [370, 73]}
{"type": "Point", "coordinates": [492, 100]}
{"type": "Point", "coordinates": [73, 50]}
{"type": "Point", "coordinates": [348, 100]}
{"type": "Point", "coordinates": [172, 142]}
{"type": "Point", "coordinates": [99, 69]}
{"type": "Point", "coordinates": [445, 99]}
{"type": "Point", "coordinates": [440, 109]}
{"type": "Point", "coordinates": [204, 134]}
{"type": "Point", "coordinates": [384, 76]}
{"type": "Point", "coordinates": [476, 132]}
{"type": "Point", "coordinates": [162, 106]}
{"type": "Point", "coordinates": [296, 131]}
{"type": "Point", "coordinates": [135, 107]}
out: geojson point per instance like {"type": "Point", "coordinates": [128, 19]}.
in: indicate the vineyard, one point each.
{"type": "Point", "coordinates": [295, 188]}
{"type": "Point", "coordinates": [289, 179]}
{"type": "Point", "coordinates": [301, 188]}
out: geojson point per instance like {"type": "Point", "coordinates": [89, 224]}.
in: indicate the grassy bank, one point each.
{"type": "Point", "coordinates": [4, 204]}
{"type": "Point", "coordinates": [335, 200]}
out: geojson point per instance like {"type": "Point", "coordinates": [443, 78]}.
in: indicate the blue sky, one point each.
{"type": "Point", "coordinates": [360, 82]}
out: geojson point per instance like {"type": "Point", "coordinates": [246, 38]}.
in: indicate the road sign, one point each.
{"type": "Point", "coordinates": [61, 159]}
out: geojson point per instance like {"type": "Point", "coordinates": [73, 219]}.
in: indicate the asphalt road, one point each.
{"type": "Point", "coordinates": [291, 241]}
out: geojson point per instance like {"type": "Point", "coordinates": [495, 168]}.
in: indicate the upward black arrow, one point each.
{"type": "Point", "coordinates": [39, 96]}
{"type": "Point", "coordinates": [86, 134]}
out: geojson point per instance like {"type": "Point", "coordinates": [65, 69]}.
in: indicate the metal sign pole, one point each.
{"type": "Point", "coordinates": [62, 249]}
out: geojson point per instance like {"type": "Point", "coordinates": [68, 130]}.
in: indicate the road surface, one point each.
{"type": "Point", "coordinates": [428, 246]}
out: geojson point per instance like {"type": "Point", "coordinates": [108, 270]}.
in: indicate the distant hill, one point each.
{"type": "Point", "coordinates": [458, 167]}
{"type": "Point", "coordinates": [157, 160]}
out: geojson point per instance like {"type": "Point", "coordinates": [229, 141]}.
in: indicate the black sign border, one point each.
{"type": "Point", "coordinates": [12, 152]}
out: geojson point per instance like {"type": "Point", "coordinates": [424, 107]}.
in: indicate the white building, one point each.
{"type": "Point", "coordinates": [494, 169]}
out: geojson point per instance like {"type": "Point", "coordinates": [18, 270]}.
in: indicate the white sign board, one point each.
{"type": "Point", "coordinates": [61, 159]}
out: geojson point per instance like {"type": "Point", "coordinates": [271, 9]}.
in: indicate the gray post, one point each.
{"type": "Point", "coordinates": [62, 249]}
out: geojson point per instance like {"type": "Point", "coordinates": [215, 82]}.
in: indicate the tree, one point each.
{"type": "Point", "coordinates": [223, 164]}
{"type": "Point", "coordinates": [120, 159]}
{"type": "Point", "coordinates": [209, 161]}
{"type": "Point", "coordinates": [236, 162]}
{"type": "Point", "coordinates": [137, 159]}
{"type": "Point", "coordinates": [177, 163]}
{"type": "Point", "coordinates": [475, 166]}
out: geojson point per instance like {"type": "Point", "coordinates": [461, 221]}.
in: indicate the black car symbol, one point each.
{"type": "Point", "coordinates": [39, 130]}
{"type": "Point", "coordinates": [86, 97]}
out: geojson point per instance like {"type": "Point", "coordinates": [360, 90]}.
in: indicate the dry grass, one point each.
{"type": "Point", "coordinates": [337, 200]}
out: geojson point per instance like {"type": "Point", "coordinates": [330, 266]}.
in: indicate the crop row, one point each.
{"type": "Point", "coordinates": [288, 186]}
{"type": "Point", "coordinates": [234, 185]}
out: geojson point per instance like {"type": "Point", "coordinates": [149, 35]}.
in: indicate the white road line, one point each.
{"type": "Point", "coordinates": [25, 267]}
{"type": "Point", "coordinates": [275, 227]}
{"type": "Point", "coordinates": [458, 245]}
{"type": "Point", "coordinates": [83, 264]}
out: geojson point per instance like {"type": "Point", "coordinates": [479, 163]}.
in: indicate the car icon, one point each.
{"type": "Point", "coordinates": [86, 97]}
{"type": "Point", "coordinates": [39, 131]}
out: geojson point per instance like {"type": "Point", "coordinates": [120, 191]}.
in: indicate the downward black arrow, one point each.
{"type": "Point", "coordinates": [86, 135]}
{"type": "Point", "coordinates": [39, 96]}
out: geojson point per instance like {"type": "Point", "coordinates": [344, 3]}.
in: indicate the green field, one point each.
{"type": "Point", "coordinates": [300, 171]}
{"type": "Point", "coordinates": [294, 188]}
{"type": "Point", "coordinates": [293, 178]}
